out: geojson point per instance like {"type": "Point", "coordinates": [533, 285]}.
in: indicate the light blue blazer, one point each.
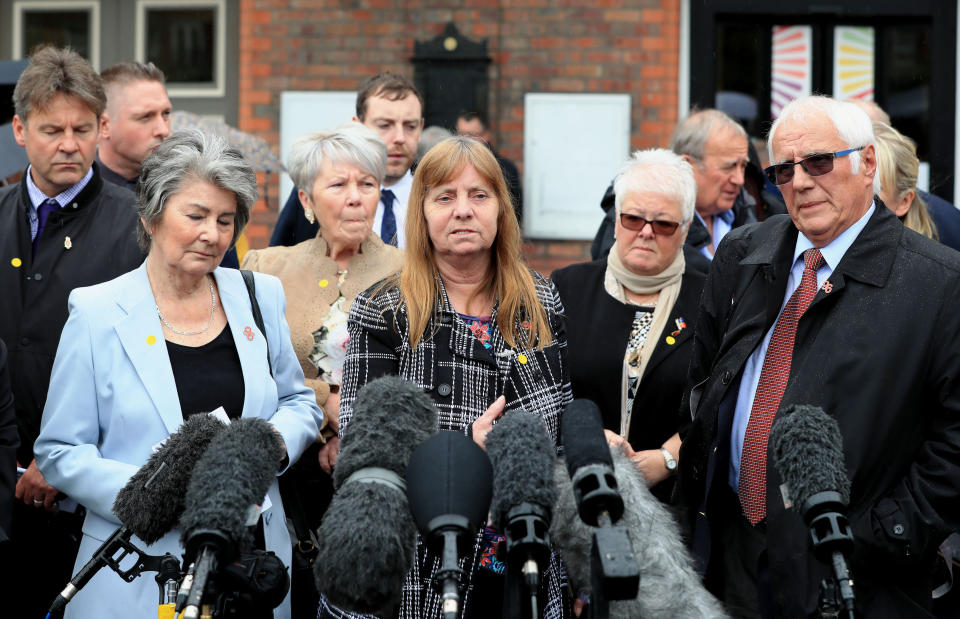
{"type": "Point", "coordinates": [112, 398]}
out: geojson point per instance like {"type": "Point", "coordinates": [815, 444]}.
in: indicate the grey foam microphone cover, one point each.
{"type": "Point", "coordinates": [152, 512]}
{"type": "Point", "coordinates": [669, 584]}
{"type": "Point", "coordinates": [233, 475]}
{"type": "Point", "coordinates": [522, 456]}
{"type": "Point", "coordinates": [807, 450]}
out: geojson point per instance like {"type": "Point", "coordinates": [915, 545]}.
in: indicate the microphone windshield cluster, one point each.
{"type": "Point", "coordinates": [522, 456]}
{"type": "Point", "coordinates": [153, 511]}
{"type": "Point", "coordinates": [807, 451]}
{"type": "Point", "coordinates": [233, 475]}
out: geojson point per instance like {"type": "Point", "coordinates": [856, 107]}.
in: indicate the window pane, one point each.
{"type": "Point", "coordinates": [741, 69]}
{"type": "Point", "coordinates": [180, 42]}
{"type": "Point", "coordinates": [903, 86]}
{"type": "Point", "coordinates": [792, 72]}
{"type": "Point", "coordinates": [60, 28]}
{"type": "Point", "coordinates": [853, 72]}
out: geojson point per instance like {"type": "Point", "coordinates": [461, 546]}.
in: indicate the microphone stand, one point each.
{"type": "Point", "coordinates": [527, 543]}
{"type": "Point", "coordinates": [448, 535]}
{"type": "Point", "coordinates": [832, 543]}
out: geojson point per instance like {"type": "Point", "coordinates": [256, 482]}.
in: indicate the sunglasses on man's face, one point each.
{"type": "Point", "coordinates": [815, 165]}
{"type": "Point", "coordinates": [637, 223]}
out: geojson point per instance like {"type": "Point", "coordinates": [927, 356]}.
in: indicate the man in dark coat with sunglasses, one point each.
{"type": "Point", "coordinates": [872, 336]}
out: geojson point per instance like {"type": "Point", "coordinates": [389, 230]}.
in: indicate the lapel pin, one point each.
{"type": "Point", "coordinates": [671, 340]}
{"type": "Point", "coordinates": [151, 340]}
{"type": "Point", "coordinates": [827, 287]}
{"type": "Point", "coordinates": [323, 283]}
{"type": "Point", "coordinates": [67, 243]}
{"type": "Point", "coordinates": [522, 358]}
{"type": "Point", "coordinates": [16, 262]}
{"type": "Point", "coordinates": [249, 333]}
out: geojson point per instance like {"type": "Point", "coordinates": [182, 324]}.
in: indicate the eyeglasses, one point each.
{"type": "Point", "coordinates": [637, 223]}
{"type": "Point", "coordinates": [814, 165]}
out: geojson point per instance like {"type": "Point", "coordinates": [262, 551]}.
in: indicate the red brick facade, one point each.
{"type": "Point", "coordinates": [588, 46]}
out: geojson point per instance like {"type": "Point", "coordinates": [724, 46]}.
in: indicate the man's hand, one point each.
{"type": "Point", "coordinates": [33, 489]}
{"type": "Point", "coordinates": [484, 423]}
{"type": "Point", "coordinates": [331, 410]}
{"type": "Point", "coordinates": [329, 453]}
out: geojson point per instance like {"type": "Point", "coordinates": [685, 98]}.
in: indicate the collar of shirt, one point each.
{"type": "Point", "coordinates": [37, 197]}
{"type": "Point", "coordinates": [401, 189]}
{"type": "Point", "coordinates": [833, 251]}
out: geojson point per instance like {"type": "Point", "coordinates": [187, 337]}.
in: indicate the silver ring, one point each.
{"type": "Point", "coordinates": [37, 503]}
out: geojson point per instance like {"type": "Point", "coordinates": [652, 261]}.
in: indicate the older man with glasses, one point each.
{"type": "Point", "coordinates": [840, 307]}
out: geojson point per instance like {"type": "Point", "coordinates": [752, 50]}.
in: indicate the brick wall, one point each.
{"type": "Point", "coordinates": [588, 46]}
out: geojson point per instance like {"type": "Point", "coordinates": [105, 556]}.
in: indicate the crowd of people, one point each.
{"type": "Point", "coordinates": [719, 294]}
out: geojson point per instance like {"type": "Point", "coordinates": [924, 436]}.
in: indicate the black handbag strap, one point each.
{"type": "Point", "coordinates": [306, 541]}
{"type": "Point", "coordinates": [257, 316]}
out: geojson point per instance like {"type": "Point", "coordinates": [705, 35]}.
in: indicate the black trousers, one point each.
{"type": "Point", "coordinates": [738, 564]}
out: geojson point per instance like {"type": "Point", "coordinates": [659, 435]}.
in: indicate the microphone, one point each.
{"type": "Point", "coordinates": [524, 492]}
{"type": "Point", "coordinates": [614, 571]}
{"type": "Point", "coordinates": [149, 504]}
{"type": "Point", "coordinates": [368, 522]}
{"type": "Point", "coordinates": [669, 586]}
{"type": "Point", "coordinates": [807, 451]}
{"type": "Point", "coordinates": [449, 486]}
{"type": "Point", "coordinates": [223, 499]}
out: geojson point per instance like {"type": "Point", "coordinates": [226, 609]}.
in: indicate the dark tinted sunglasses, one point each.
{"type": "Point", "coordinates": [636, 223]}
{"type": "Point", "coordinates": [814, 165]}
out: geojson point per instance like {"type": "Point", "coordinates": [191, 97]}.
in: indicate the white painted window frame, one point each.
{"type": "Point", "coordinates": [22, 6]}
{"type": "Point", "coordinates": [174, 89]}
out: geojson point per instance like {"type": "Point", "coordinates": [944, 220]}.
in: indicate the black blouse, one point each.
{"type": "Point", "coordinates": [208, 376]}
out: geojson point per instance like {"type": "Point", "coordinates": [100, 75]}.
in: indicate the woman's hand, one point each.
{"type": "Point", "coordinates": [331, 410]}
{"type": "Point", "coordinates": [650, 462]}
{"type": "Point", "coordinates": [615, 440]}
{"type": "Point", "coordinates": [328, 454]}
{"type": "Point", "coordinates": [484, 423]}
{"type": "Point", "coordinates": [34, 490]}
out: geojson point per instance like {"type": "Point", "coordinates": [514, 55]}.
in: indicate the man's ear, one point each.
{"type": "Point", "coordinates": [19, 129]}
{"type": "Point", "coordinates": [868, 159]}
{"type": "Point", "coordinates": [104, 125]}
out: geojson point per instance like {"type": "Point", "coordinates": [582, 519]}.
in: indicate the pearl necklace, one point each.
{"type": "Point", "coordinates": [213, 308]}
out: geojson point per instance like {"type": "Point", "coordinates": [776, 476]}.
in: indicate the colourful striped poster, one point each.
{"type": "Point", "coordinates": [853, 68]}
{"type": "Point", "coordinates": [792, 65]}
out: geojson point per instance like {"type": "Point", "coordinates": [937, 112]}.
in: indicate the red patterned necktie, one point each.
{"type": "Point", "coordinates": [773, 382]}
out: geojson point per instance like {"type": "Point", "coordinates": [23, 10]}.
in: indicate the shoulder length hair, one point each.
{"type": "Point", "coordinates": [509, 279]}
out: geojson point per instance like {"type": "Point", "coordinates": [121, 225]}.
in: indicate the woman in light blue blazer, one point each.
{"type": "Point", "coordinates": [173, 338]}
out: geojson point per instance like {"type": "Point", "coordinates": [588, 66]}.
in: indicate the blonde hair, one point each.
{"type": "Point", "coordinates": [509, 279]}
{"type": "Point", "coordinates": [898, 167]}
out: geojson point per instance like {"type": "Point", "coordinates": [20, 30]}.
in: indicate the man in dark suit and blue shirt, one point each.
{"type": "Point", "coordinates": [838, 306]}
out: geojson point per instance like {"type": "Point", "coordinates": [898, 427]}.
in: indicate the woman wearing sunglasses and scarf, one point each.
{"type": "Point", "coordinates": [629, 316]}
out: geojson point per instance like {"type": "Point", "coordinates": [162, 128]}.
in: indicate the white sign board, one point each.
{"type": "Point", "coordinates": [573, 145]}
{"type": "Point", "coordinates": [302, 112]}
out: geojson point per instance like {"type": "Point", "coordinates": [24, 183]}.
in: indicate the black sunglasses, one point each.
{"type": "Point", "coordinates": [814, 165]}
{"type": "Point", "coordinates": [636, 223]}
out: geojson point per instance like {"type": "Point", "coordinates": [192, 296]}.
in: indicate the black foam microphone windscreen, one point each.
{"type": "Point", "coordinates": [229, 479]}
{"type": "Point", "coordinates": [584, 442]}
{"type": "Point", "coordinates": [151, 512]}
{"type": "Point", "coordinates": [369, 537]}
{"type": "Point", "coordinates": [449, 474]}
{"type": "Point", "coordinates": [522, 456]}
{"type": "Point", "coordinates": [807, 451]}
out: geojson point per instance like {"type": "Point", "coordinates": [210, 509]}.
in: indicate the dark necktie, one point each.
{"type": "Point", "coordinates": [43, 214]}
{"type": "Point", "coordinates": [388, 226]}
{"type": "Point", "coordinates": [773, 382]}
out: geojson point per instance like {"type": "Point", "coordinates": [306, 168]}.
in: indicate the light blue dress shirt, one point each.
{"type": "Point", "coordinates": [37, 197]}
{"type": "Point", "coordinates": [722, 223]}
{"type": "Point", "coordinates": [832, 254]}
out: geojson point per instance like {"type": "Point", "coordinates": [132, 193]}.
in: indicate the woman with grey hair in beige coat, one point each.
{"type": "Point", "coordinates": [339, 174]}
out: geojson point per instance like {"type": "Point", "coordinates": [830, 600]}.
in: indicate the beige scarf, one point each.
{"type": "Point", "coordinates": [668, 283]}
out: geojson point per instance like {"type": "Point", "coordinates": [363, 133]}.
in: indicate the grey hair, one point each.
{"type": "Point", "coordinates": [691, 134]}
{"type": "Point", "coordinates": [850, 121]}
{"type": "Point", "coordinates": [658, 171]}
{"type": "Point", "coordinates": [350, 143]}
{"type": "Point", "coordinates": [430, 137]}
{"type": "Point", "coordinates": [53, 71]}
{"type": "Point", "coordinates": [188, 156]}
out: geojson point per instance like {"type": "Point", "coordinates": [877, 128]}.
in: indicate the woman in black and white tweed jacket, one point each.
{"type": "Point", "coordinates": [480, 332]}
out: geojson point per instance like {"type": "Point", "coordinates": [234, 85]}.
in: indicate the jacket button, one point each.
{"type": "Point", "coordinates": [898, 529]}
{"type": "Point", "coordinates": [38, 276]}
{"type": "Point", "coordinates": [25, 341]}
{"type": "Point", "coordinates": [444, 389]}
{"type": "Point", "coordinates": [726, 378]}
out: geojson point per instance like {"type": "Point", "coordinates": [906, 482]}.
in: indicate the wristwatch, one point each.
{"type": "Point", "coordinates": [669, 460]}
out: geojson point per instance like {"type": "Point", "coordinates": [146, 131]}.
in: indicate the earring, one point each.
{"type": "Point", "coordinates": [309, 215]}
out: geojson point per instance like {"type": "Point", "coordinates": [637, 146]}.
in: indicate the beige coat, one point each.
{"type": "Point", "coordinates": [302, 268]}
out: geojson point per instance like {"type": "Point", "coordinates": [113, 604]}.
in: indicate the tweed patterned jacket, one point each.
{"type": "Point", "coordinates": [463, 378]}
